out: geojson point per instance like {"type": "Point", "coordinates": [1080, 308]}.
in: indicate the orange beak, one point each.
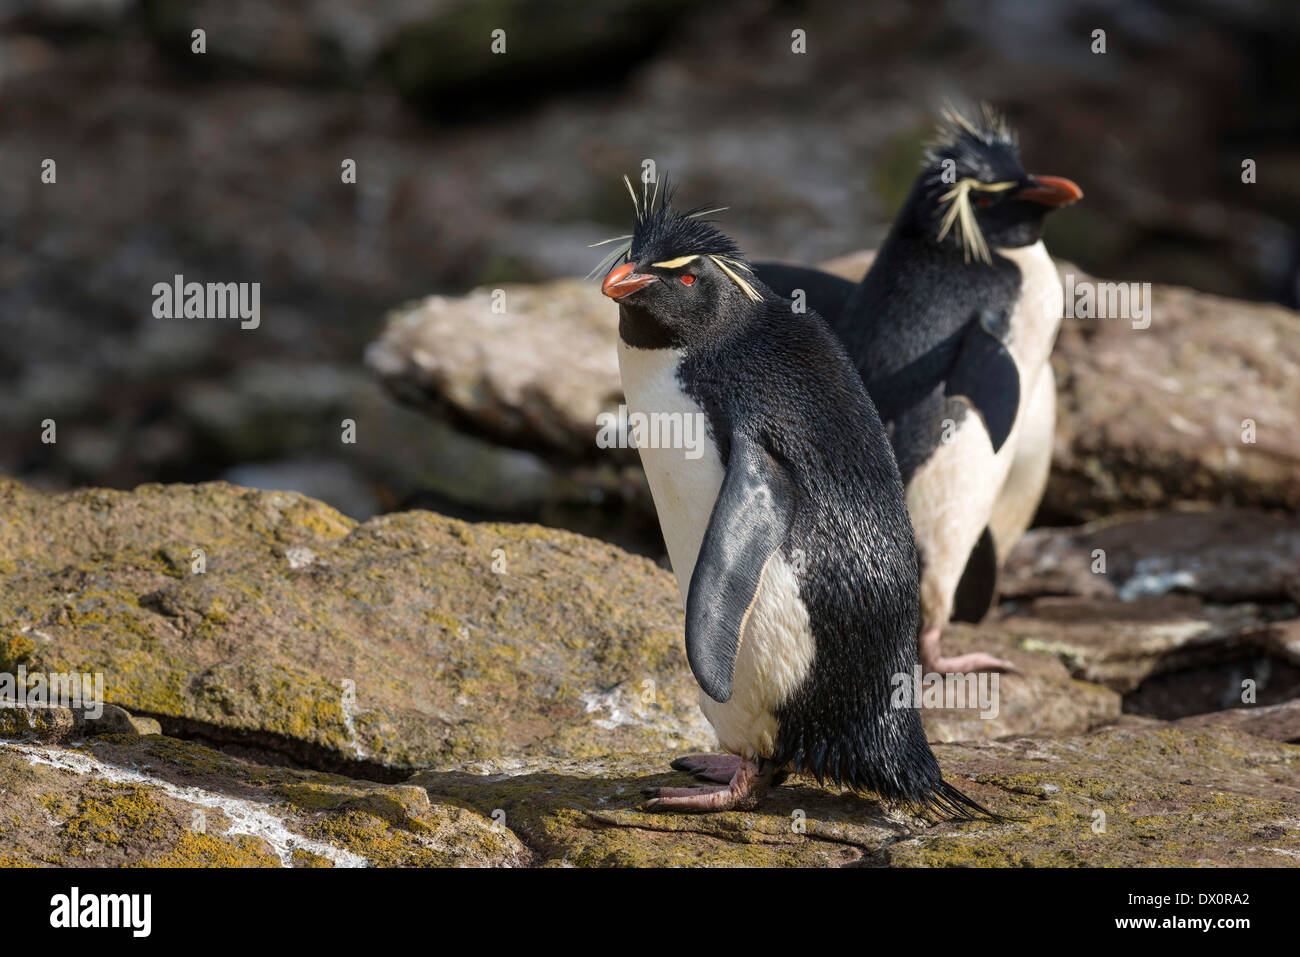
{"type": "Point", "coordinates": [1055, 191]}
{"type": "Point", "coordinates": [623, 281]}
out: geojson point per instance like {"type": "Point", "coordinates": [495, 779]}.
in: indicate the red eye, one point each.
{"type": "Point", "coordinates": [984, 201]}
{"type": "Point", "coordinates": [687, 278]}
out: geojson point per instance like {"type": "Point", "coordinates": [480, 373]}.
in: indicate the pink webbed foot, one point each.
{"type": "Point", "coordinates": [745, 789]}
{"type": "Point", "coordinates": [932, 662]}
{"type": "Point", "coordinates": [717, 768]}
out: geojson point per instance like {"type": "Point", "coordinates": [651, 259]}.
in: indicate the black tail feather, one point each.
{"type": "Point", "coordinates": [946, 799]}
{"type": "Point", "coordinates": [915, 782]}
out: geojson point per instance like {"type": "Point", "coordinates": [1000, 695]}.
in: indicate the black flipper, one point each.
{"type": "Point", "coordinates": [826, 294]}
{"type": "Point", "coordinates": [751, 518]}
{"type": "Point", "coordinates": [978, 588]}
{"type": "Point", "coordinates": [986, 375]}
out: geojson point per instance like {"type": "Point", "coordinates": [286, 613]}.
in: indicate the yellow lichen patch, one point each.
{"type": "Point", "coordinates": [301, 858]}
{"type": "Point", "coordinates": [194, 758]}
{"type": "Point", "coordinates": [314, 795]}
{"type": "Point", "coordinates": [15, 650]}
{"type": "Point", "coordinates": [205, 850]}
{"type": "Point", "coordinates": [454, 838]}
{"type": "Point", "coordinates": [121, 812]}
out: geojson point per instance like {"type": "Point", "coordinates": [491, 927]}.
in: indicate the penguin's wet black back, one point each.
{"type": "Point", "coordinates": [905, 324]}
{"type": "Point", "coordinates": [783, 379]}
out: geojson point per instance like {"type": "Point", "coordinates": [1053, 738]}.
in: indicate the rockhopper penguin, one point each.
{"type": "Point", "coordinates": [789, 535]}
{"type": "Point", "coordinates": [951, 330]}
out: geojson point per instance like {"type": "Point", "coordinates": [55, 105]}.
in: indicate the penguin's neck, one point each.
{"type": "Point", "coordinates": [906, 252]}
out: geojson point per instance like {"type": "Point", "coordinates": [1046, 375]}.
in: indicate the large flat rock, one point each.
{"type": "Point", "coordinates": [394, 643]}
{"type": "Point", "coordinates": [409, 640]}
{"type": "Point", "coordinates": [1147, 417]}
{"type": "Point", "coordinates": [533, 376]}
{"type": "Point", "coordinates": [1199, 407]}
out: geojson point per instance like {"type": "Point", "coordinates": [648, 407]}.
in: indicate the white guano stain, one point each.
{"type": "Point", "coordinates": [247, 817]}
{"type": "Point", "coordinates": [622, 706]}
{"type": "Point", "coordinates": [299, 556]}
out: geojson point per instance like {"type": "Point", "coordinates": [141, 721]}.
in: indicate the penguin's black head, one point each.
{"type": "Point", "coordinates": [683, 280]}
{"type": "Point", "coordinates": [973, 195]}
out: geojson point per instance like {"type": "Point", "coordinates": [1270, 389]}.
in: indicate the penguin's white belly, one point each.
{"type": "Point", "coordinates": [952, 496]}
{"type": "Point", "coordinates": [949, 499]}
{"type": "Point", "coordinates": [776, 653]}
{"type": "Point", "coordinates": [1023, 489]}
{"type": "Point", "coordinates": [776, 649]}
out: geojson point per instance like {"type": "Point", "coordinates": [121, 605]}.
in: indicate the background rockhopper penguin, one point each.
{"type": "Point", "coordinates": [958, 314]}
{"type": "Point", "coordinates": [789, 536]}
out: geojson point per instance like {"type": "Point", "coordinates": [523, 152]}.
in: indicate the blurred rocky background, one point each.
{"type": "Point", "coordinates": [477, 169]}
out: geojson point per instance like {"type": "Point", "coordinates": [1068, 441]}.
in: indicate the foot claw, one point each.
{"type": "Point", "coordinates": [662, 794]}
{"type": "Point", "coordinates": [717, 768]}
{"type": "Point", "coordinates": [744, 790]}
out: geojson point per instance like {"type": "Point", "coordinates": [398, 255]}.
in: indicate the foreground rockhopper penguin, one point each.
{"type": "Point", "coordinates": [951, 330]}
{"type": "Point", "coordinates": [789, 535]}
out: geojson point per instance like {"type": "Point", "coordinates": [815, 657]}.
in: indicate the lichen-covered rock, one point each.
{"type": "Point", "coordinates": [410, 640]}
{"type": "Point", "coordinates": [1214, 792]}
{"type": "Point", "coordinates": [272, 619]}
{"type": "Point", "coordinates": [517, 664]}
{"type": "Point", "coordinates": [1150, 794]}
{"type": "Point", "coordinates": [158, 802]}
{"type": "Point", "coordinates": [587, 814]}
{"type": "Point", "coordinates": [540, 679]}
{"type": "Point", "coordinates": [40, 724]}
{"type": "Point", "coordinates": [55, 723]}
{"type": "Point", "coordinates": [1278, 722]}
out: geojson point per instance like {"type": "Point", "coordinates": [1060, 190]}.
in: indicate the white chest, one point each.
{"type": "Point", "coordinates": [1037, 315]}
{"type": "Point", "coordinates": [683, 481]}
